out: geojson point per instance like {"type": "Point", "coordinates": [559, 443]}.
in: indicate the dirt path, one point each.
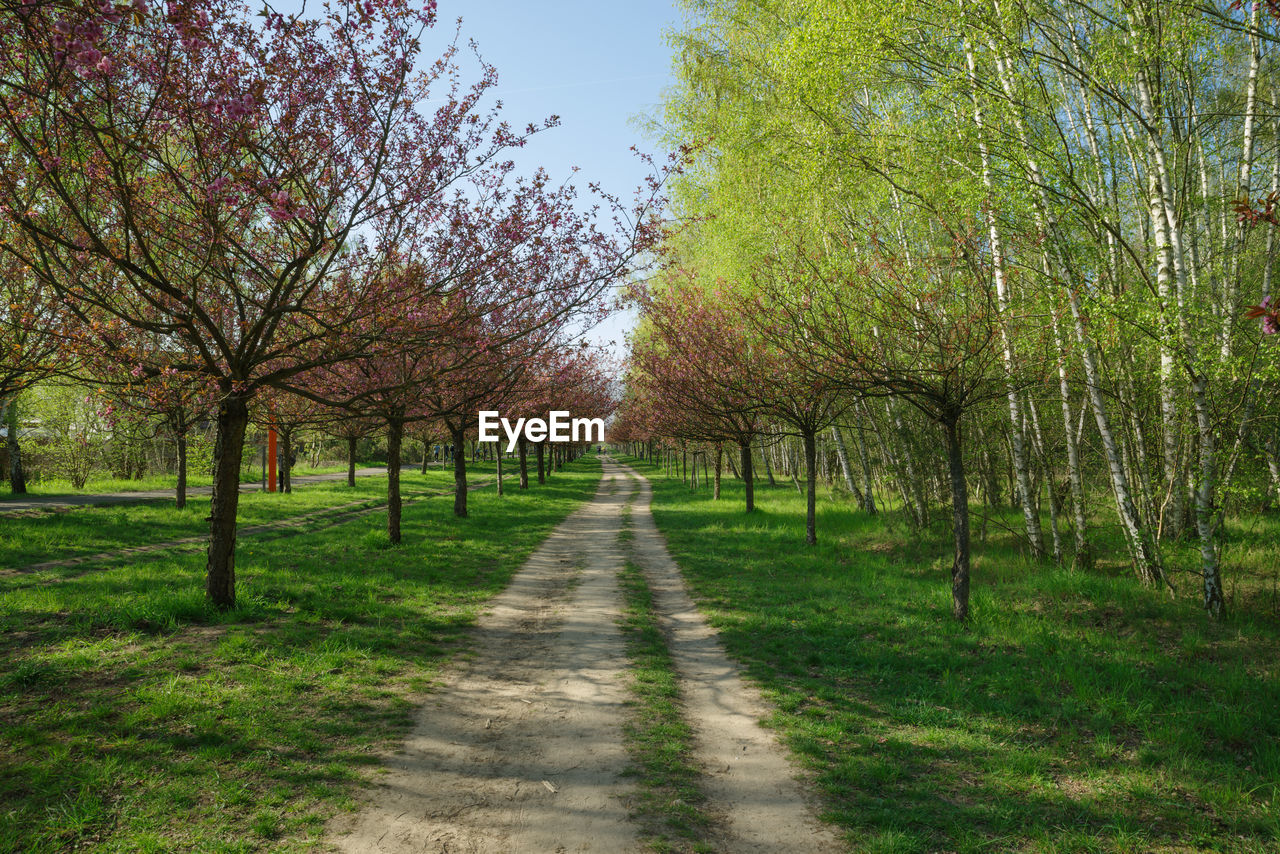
{"type": "Point", "coordinates": [521, 750]}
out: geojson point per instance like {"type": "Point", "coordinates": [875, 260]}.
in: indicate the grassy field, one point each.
{"type": "Point", "coordinates": [1077, 712]}
{"type": "Point", "coordinates": [54, 535]}
{"type": "Point", "coordinates": [149, 483]}
{"type": "Point", "coordinates": [135, 719]}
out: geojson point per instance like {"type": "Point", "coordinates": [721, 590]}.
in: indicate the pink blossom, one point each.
{"type": "Point", "coordinates": [217, 188]}
{"type": "Point", "coordinates": [282, 207]}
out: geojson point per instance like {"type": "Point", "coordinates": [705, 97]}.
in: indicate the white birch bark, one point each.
{"type": "Point", "coordinates": [868, 484]}
{"type": "Point", "coordinates": [1171, 252]}
{"type": "Point", "coordinates": [1046, 466]}
{"type": "Point", "coordinates": [1145, 557]}
{"type": "Point", "coordinates": [1244, 188]}
{"type": "Point", "coordinates": [1083, 558]}
{"type": "Point", "coordinates": [1018, 439]}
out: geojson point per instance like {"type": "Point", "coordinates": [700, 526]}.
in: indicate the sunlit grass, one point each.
{"type": "Point", "coordinates": [1077, 712]}
{"type": "Point", "coordinates": [100, 483]}
{"type": "Point", "coordinates": [137, 719]}
{"type": "Point", "coordinates": [54, 535]}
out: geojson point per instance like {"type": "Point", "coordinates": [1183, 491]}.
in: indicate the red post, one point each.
{"type": "Point", "coordinates": [271, 460]}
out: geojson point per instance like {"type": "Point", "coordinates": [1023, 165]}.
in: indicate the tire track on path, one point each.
{"type": "Point", "coordinates": [753, 795]}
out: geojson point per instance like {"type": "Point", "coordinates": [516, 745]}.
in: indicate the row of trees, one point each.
{"type": "Point", "coordinates": [68, 433]}
{"type": "Point", "coordinates": [255, 215]}
{"type": "Point", "coordinates": [1039, 222]}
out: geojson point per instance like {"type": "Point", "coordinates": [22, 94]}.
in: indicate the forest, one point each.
{"type": "Point", "coordinates": [984, 252]}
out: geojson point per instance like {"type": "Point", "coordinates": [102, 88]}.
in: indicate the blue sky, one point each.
{"type": "Point", "coordinates": [598, 65]}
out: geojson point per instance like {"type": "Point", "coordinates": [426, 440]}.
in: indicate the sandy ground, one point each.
{"type": "Point", "coordinates": [520, 749]}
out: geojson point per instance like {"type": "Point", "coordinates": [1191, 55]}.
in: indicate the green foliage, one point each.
{"type": "Point", "coordinates": [70, 432]}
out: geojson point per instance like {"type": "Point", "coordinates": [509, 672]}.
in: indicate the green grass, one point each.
{"type": "Point", "coordinates": [136, 719]}
{"type": "Point", "coordinates": [659, 741]}
{"type": "Point", "coordinates": [1076, 712]}
{"type": "Point", "coordinates": [149, 483]}
{"type": "Point", "coordinates": [55, 535]}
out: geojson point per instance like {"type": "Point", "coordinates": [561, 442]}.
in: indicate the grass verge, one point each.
{"type": "Point", "coordinates": [138, 720]}
{"type": "Point", "coordinates": [659, 741]}
{"type": "Point", "coordinates": [1077, 711]}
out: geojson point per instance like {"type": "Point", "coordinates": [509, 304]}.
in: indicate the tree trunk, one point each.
{"type": "Point", "coordinates": [1244, 188]}
{"type": "Point", "coordinates": [1171, 282]}
{"type": "Point", "coordinates": [180, 500]}
{"type": "Point", "coordinates": [1083, 558]}
{"type": "Point", "coordinates": [959, 522]}
{"type": "Point", "coordinates": [1272, 448]}
{"type": "Point", "coordinates": [745, 455]}
{"type": "Point", "coordinates": [793, 469]}
{"type": "Point", "coordinates": [867, 480]}
{"type": "Point", "coordinates": [17, 474]}
{"type": "Point", "coordinates": [990, 470]}
{"type": "Point", "coordinates": [919, 502]}
{"type": "Point", "coordinates": [286, 461]}
{"type": "Point", "coordinates": [1146, 559]}
{"type": "Point", "coordinates": [499, 464]}
{"type": "Point", "coordinates": [1171, 524]}
{"type": "Point", "coordinates": [842, 456]}
{"type": "Point", "coordinates": [1205, 523]}
{"type": "Point", "coordinates": [542, 467]}
{"type": "Point", "coordinates": [811, 488]}
{"type": "Point", "coordinates": [1022, 469]}
{"type": "Point", "coordinates": [1037, 438]}
{"type": "Point", "coordinates": [896, 468]}
{"type": "Point", "coordinates": [459, 476]}
{"type": "Point", "coordinates": [220, 572]}
{"type": "Point", "coordinates": [524, 461]}
{"type": "Point", "coordinates": [719, 461]}
{"type": "Point", "coordinates": [351, 460]}
{"type": "Point", "coordinates": [395, 437]}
